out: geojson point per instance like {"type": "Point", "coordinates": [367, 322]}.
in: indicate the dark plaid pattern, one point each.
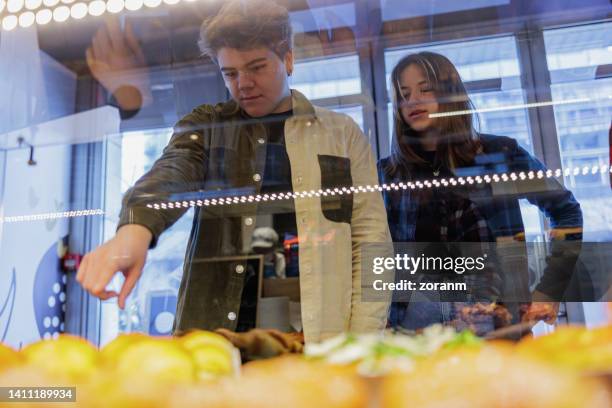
{"type": "Point", "coordinates": [488, 218]}
{"type": "Point", "coordinates": [459, 220]}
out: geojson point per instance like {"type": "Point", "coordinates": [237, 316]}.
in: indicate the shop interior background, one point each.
{"type": "Point", "coordinates": [541, 72]}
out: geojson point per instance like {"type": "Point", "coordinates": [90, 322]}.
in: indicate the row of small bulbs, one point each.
{"type": "Point", "coordinates": [51, 216]}
{"type": "Point", "coordinates": [61, 10]}
{"type": "Point", "coordinates": [493, 178]}
{"type": "Point", "coordinates": [434, 183]}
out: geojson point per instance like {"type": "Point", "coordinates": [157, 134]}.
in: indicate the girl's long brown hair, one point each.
{"type": "Point", "coordinates": [458, 142]}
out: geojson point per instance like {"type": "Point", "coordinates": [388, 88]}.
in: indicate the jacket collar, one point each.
{"type": "Point", "coordinates": [301, 105]}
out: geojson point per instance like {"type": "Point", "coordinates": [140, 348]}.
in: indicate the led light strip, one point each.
{"type": "Point", "coordinates": [50, 216]}
{"type": "Point", "coordinates": [509, 107]}
{"type": "Point", "coordinates": [25, 13]}
{"type": "Point", "coordinates": [434, 183]}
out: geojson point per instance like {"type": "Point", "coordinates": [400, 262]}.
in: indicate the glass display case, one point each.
{"type": "Point", "coordinates": [259, 184]}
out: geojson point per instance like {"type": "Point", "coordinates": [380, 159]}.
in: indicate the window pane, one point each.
{"type": "Point", "coordinates": [398, 9]}
{"type": "Point", "coordinates": [576, 59]}
{"type": "Point", "coordinates": [329, 16]}
{"type": "Point", "coordinates": [328, 77]}
{"type": "Point", "coordinates": [355, 112]}
{"type": "Point", "coordinates": [151, 306]}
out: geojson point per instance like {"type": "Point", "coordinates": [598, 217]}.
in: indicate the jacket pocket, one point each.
{"type": "Point", "coordinates": [210, 292]}
{"type": "Point", "coordinates": [336, 173]}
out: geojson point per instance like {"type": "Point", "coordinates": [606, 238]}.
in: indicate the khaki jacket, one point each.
{"type": "Point", "coordinates": [218, 152]}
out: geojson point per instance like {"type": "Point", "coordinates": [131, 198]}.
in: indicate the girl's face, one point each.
{"type": "Point", "coordinates": [418, 100]}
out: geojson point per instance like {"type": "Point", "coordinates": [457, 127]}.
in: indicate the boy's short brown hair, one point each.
{"type": "Point", "coordinates": [245, 25]}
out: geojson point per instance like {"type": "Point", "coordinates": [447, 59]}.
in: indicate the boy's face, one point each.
{"type": "Point", "coordinates": [257, 79]}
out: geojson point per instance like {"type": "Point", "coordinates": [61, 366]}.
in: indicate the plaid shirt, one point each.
{"type": "Point", "coordinates": [457, 219]}
{"type": "Point", "coordinates": [491, 215]}
{"type": "Point", "coordinates": [460, 220]}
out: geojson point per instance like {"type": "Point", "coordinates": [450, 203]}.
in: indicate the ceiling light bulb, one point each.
{"type": "Point", "coordinates": [115, 6]}
{"type": "Point", "coordinates": [9, 22]}
{"type": "Point", "coordinates": [33, 4]}
{"type": "Point", "coordinates": [152, 3]}
{"type": "Point", "coordinates": [78, 11]}
{"type": "Point", "coordinates": [97, 8]}
{"type": "Point", "coordinates": [134, 5]}
{"type": "Point", "coordinates": [13, 6]}
{"type": "Point", "coordinates": [61, 14]}
{"type": "Point", "coordinates": [44, 17]}
{"type": "Point", "coordinates": [27, 19]}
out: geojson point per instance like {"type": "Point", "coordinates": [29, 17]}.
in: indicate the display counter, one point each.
{"type": "Point", "coordinates": [570, 368]}
{"type": "Point", "coordinates": [343, 203]}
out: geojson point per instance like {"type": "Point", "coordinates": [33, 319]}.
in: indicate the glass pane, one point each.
{"type": "Point", "coordinates": [577, 57]}
{"type": "Point", "coordinates": [355, 112]}
{"type": "Point", "coordinates": [327, 16]}
{"type": "Point", "coordinates": [153, 302]}
{"type": "Point", "coordinates": [399, 9]}
{"type": "Point", "coordinates": [88, 106]}
{"type": "Point", "coordinates": [328, 77]}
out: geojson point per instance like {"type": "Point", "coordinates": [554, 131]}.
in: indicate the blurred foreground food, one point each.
{"type": "Point", "coordinates": [438, 368]}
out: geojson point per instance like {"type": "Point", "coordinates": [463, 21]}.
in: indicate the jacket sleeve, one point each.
{"type": "Point", "coordinates": [557, 203]}
{"type": "Point", "coordinates": [368, 226]}
{"type": "Point", "coordinates": [563, 212]}
{"type": "Point", "coordinates": [180, 169]}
